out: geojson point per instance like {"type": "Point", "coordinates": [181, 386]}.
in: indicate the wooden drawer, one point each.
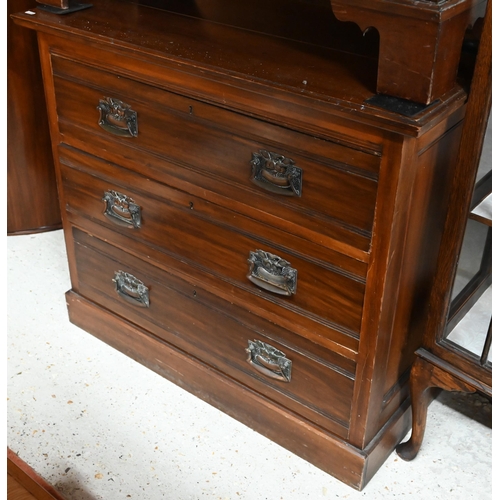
{"type": "Point", "coordinates": [203, 148]}
{"type": "Point", "coordinates": [329, 294]}
{"type": "Point", "coordinates": [319, 387]}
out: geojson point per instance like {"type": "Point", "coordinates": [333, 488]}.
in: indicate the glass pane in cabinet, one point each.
{"type": "Point", "coordinates": [485, 162]}
{"type": "Point", "coordinates": [470, 332]}
{"type": "Point", "coordinates": [471, 256]}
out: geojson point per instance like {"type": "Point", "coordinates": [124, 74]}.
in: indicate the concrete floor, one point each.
{"type": "Point", "coordinates": [97, 425]}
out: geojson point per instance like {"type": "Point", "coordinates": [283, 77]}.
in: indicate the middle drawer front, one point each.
{"type": "Point", "coordinates": [235, 159]}
{"type": "Point", "coordinates": [322, 294]}
{"type": "Point", "coordinates": [311, 381]}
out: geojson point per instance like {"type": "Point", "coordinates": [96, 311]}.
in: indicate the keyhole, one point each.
{"type": "Point", "coordinates": [190, 110]}
{"type": "Point", "coordinates": [191, 205]}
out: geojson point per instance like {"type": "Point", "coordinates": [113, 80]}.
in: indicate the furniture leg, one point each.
{"type": "Point", "coordinates": [425, 375]}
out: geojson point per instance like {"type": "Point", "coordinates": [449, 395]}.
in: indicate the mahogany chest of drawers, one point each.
{"type": "Point", "coordinates": [240, 218]}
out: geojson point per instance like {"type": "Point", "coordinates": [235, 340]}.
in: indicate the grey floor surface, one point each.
{"type": "Point", "coordinates": [97, 425]}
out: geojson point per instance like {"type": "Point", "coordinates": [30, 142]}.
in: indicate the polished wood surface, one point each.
{"type": "Point", "coordinates": [16, 491]}
{"type": "Point", "coordinates": [326, 294]}
{"type": "Point", "coordinates": [420, 43]}
{"type": "Point", "coordinates": [207, 330]}
{"type": "Point", "coordinates": [23, 483]}
{"type": "Point", "coordinates": [307, 440]}
{"type": "Point", "coordinates": [427, 373]}
{"type": "Point", "coordinates": [471, 147]}
{"type": "Point", "coordinates": [194, 102]}
{"type": "Point", "coordinates": [224, 146]}
{"type": "Point", "coordinates": [336, 81]}
{"type": "Point", "coordinates": [32, 200]}
{"type": "Point", "coordinates": [441, 363]}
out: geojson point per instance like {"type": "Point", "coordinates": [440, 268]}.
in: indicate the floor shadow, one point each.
{"type": "Point", "coordinates": [71, 487]}
{"type": "Point", "coordinates": [475, 406]}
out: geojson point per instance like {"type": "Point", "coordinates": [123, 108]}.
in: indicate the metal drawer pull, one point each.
{"type": "Point", "coordinates": [276, 173]}
{"type": "Point", "coordinates": [131, 289]}
{"type": "Point", "coordinates": [268, 360]}
{"type": "Point", "coordinates": [117, 117]}
{"type": "Point", "coordinates": [272, 273]}
{"type": "Point", "coordinates": [121, 209]}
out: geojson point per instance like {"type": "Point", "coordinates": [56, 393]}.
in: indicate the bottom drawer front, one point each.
{"type": "Point", "coordinates": [193, 320]}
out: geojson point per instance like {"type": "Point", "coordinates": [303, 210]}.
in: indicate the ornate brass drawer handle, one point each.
{"type": "Point", "coordinates": [268, 360]}
{"type": "Point", "coordinates": [131, 289]}
{"type": "Point", "coordinates": [121, 209]}
{"type": "Point", "coordinates": [276, 173]}
{"type": "Point", "coordinates": [272, 273]}
{"type": "Point", "coordinates": [117, 117]}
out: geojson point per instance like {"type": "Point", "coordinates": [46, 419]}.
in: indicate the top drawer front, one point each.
{"type": "Point", "coordinates": [338, 187]}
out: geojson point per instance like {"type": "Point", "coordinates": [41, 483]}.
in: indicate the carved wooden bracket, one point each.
{"type": "Point", "coordinates": [420, 41]}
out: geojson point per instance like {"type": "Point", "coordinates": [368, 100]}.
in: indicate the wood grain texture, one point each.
{"type": "Point", "coordinates": [32, 200]}
{"type": "Point", "coordinates": [423, 66]}
{"type": "Point", "coordinates": [364, 236]}
{"type": "Point", "coordinates": [220, 146]}
{"type": "Point", "coordinates": [325, 293]}
{"type": "Point", "coordinates": [321, 335]}
{"type": "Point", "coordinates": [439, 362]}
{"type": "Point", "coordinates": [462, 188]}
{"type": "Point", "coordinates": [28, 480]}
{"type": "Point", "coordinates": [333, 455]}
{"type": "Point", "coordinates": [207, 50]}
{"type": "Point", "coordinates": [15, 491]}
{"type": "Point", "coordinates": [427, 372]}
{"type": "Point", "coordinates": [189, 318]}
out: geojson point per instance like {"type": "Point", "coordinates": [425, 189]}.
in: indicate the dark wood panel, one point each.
{"type": "Point", "coordinates": [311, 21]}
{"type": "Point", "coordinates": [329, 183]}
{"type": "Point", "coordinates": [430, 197]}
{"type": "Point", "coordinates": [347, 156]}
{"type": "Point", "coordinates": [184, 316]}
{"type": "Point", "coordinates": [251, 203]}
{"type": "Point", "coordinates": [335, 456]}
{"type": "Point", "coordinates": [266, 97]}
{"type": "Point", "coordinates": [324, 293]}
{"type": "Point", "coordinates": [116, 175]}
{"type": "Point", "coordinates": [305, 328]}
{"type": "Point", "coordinates": [217, 46]}
{"type": "Point", "coordinates": [364, 243]}
{"type": "Point", "coordinates": [441, 363]}
{"type": "Point", "coordinates": [462, 189]}
{"type": "Point", "coordinates": [32, 201]}
{"type": "Point", "coordinates": [423, 66]}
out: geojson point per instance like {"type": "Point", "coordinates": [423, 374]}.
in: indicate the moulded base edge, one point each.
{"type": "Point", "coordinates": [35, 230]}
{"type": "Point", "coordinates": [331, 454]}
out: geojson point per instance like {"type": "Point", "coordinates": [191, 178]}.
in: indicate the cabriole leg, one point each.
{"type": "Point", "coordinates": [424, 375]}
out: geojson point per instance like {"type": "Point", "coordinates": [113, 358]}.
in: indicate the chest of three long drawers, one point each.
{"type": "Point", "coordinates": [322, 299]}
{"type": "Point", "coordinates": [255, 244]}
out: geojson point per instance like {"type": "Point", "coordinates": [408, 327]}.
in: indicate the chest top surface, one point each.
{"type": "Point", "coordinates": [299, 53]}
